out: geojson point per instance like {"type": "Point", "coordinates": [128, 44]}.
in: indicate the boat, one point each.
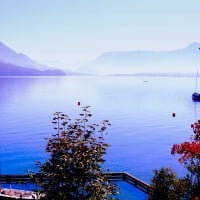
{"type": "Point", "coordinates": [13, 194]}
{"type": "Point", "coordinates": [196, 95]}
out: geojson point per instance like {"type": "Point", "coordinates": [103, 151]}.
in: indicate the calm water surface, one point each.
{"type": "Point", "coordinates": [138, 108]}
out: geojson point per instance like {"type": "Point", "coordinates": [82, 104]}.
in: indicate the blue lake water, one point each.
{"type": "Point", "coordinates": [139, 109]}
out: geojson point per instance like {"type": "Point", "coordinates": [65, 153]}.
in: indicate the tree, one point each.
{"type": "Point", "coordinates": [190, 157]}
{"type": "Point", "coordinates": [76, 154]}
{"type": "Point", "coordinates": [166, 186]}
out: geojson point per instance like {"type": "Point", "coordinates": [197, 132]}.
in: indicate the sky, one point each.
{"type": "Point", "coordinates": [68, 32]}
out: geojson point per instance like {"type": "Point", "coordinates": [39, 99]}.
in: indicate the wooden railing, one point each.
{"type": "Point", "coordinates": [112, 176]}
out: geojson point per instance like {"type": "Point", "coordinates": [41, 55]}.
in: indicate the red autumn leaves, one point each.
{"type": "Point", "coordinates": [189, 150]}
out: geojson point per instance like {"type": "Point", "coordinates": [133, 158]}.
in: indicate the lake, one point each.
{"type": "Point", "coordinates": [139, 109]}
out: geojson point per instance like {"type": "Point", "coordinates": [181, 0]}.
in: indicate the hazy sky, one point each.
{"type": "Point", "coordinates": [71, 31]}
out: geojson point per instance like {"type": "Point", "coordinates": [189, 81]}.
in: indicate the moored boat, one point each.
{"type": "Point", "coordinates": [13, 194]}
{"type": "Point", "coordinates": [196, 96]}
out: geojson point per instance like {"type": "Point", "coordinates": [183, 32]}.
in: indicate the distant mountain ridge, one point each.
{"type": "Point", "coordinates": [183, 60]}
{"type": "Point", "coordinates": [18, 64]}
{"type": "Point", "coordinates": [180, 61]}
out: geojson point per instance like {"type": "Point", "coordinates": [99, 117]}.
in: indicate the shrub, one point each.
{"type": "Point", "coordinates": [190, 156]}
{"type": "Point", "coordinates": [166, 186]}
{"type": "Point", "coordinates": [76, 154]}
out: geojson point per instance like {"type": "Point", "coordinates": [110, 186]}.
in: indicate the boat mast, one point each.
{"type": "Point", "coordinates": [196, 81]}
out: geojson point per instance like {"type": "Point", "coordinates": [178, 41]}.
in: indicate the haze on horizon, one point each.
{"type": "Point", "coordinates": [64, 33]}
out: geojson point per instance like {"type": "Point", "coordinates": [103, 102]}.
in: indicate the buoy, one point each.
{"type": "Point", "coordinates": [78, 103]}
{"type": "Point", "coordinates": [173, 114]}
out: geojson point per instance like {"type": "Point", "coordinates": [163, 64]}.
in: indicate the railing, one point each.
{"type": "Point", "coordinates": [112, 176]}
{"type": "Point", "coordinates": [124, 176]}
{"type": "Point", "coordinates": [15, 179]}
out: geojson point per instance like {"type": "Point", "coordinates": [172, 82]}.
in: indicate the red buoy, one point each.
{"type": "Point", "coordinates": [173, 114]}
{"type": "Point", "coordinates": [78, 103]}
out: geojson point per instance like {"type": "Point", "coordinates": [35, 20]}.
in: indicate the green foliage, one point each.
{"type": "Point", "coordinates": [76, 154]}
{"type": "Point", "coordinates": [166, 186]}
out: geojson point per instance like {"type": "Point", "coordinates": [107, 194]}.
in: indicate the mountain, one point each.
{"type": "Point", "coordinates": [17, 64]}
{"type": "Point", "coordinates": [183, 60]}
